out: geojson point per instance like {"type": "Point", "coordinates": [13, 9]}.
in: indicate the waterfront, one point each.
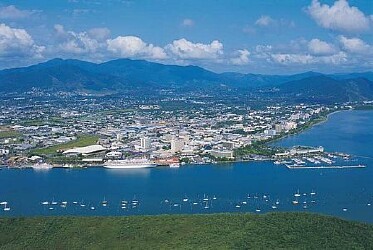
{"type": "Point", "coordinates": [230, 184]}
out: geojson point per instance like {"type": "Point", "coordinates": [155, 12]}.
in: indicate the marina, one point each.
{"type": "Point", "coordinates": [324, 167]}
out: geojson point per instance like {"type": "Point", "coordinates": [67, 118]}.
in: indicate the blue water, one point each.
{"type": "Point", "coordinates": [349, 132]}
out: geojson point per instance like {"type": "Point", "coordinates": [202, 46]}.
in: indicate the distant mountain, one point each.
{"type": "Point", "coordinates": [124, 74]}
{"type": "Point", "coordinates": [327, 89]}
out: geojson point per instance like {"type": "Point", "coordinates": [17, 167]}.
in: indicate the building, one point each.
{"type": "Point", "coordinates": [278, 128]}
{"type": "Point", "coordinates": [176, 145]}
{"type": "Point", "coordinates": [145, 143]}
{"type": "Point", "coordinates": [222, 154]}
{"type": "Point", "coordinates": [88, 150]}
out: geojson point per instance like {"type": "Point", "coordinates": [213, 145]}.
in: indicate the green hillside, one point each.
{"type": "Point", "coordinates": [218, 231]}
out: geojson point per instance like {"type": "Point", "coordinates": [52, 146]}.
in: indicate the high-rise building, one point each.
{"type": "Point", "coordinates": [145, 143]}
{"type": "Point", "coordinates": [176, 145]}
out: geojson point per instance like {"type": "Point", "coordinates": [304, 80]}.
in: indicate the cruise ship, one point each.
{"type": "Point", "coordinates": [129, 164]}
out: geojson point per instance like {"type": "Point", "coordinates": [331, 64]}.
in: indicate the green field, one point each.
{"type": "Point", "coordinates": [9, 134]}
{"type": "Point", "coordinates": [218, 231]}
{"type": "Point", "coordinates": [81, 141]}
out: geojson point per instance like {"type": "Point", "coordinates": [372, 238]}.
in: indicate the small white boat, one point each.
{"type": "Point", "coordinates": [51, 208]}
{"type": "Point", "coordinates": [176, 205]}
{"type": "Point", "coordinates": [195, 203]}
{"type": "Point", "coordinates": [257, 210]}
{"type": "Point", "coordinates": [185, 199]}
{"type": "Point", "coordinates": [93, 208]}
{"type": "Point", "coordinates": [274, 207]}
{"type": "Point", "coordinates": [104, 202]}
{"type": "Point", "coordinates": [174, 165]}
{"type": "Point", "coordinates": [238, 206]}
{"type": "Point", "coordinates": [295, 202]}
{"type": "Point", "coordinates": [297, 194]}
{"type": "Point", "coordinates": [244, 202]}
{"type": "Point", "coordinates": [75, 202]}
{"type": "Point", "coordinates": [214, 198]}
{"type": "Point", "coordinates": [82, 205]}
{"type": "Point", "coordinates": [277, 202]}
{"type": "Point", "coordinates": [45, 203]}
{"type": "Point", "coordinates": [6, 208]}
{"type": "Point", "coordinates": [4, 203]}
{"type": "Point", "coordinates": [344, 209]}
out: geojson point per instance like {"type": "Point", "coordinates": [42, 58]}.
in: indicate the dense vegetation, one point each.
{"type": "Point", "coordinates": [132, 77]}
{"type": "Point", "coordinates": [276, 230]}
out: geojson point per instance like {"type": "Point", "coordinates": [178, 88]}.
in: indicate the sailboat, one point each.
{"type": "Point", "coordinates": [295, 202]}
{"type": "Point", "coordinates": [104, 202]}
{"type": "Point", "coordinates": [6, 208]}
{"type": "Point", "coordinates": [297, 194]}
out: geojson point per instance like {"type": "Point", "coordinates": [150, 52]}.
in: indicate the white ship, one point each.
{"type": "Point", "coordinates": [41, 166]}
{"type": "Point", "coordinates": [132, 163]}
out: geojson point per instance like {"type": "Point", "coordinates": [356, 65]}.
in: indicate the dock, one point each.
{"type": "Point", "coordinates": [324, 167]}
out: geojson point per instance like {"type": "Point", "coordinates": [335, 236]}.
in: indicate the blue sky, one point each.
{"type": "Point", "coordinates": [257, 36]}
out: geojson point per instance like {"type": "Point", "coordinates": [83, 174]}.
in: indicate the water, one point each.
{"type": "Point", "coordinates": [230, 184]}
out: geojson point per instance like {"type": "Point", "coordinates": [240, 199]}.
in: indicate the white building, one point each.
{"type": "Point", "coordinates": [145, 143]}
{"type": "Point", "coordinates": [176, 145]}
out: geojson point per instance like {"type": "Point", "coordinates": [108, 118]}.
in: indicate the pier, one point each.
{"type": "Point", "coordinates": [323, 167]}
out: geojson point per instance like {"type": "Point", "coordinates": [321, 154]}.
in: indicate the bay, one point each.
{"type": "Point", "coordinates": [237, 187]}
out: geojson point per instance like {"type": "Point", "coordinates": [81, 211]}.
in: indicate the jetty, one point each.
{"type": "Point", "coordinates": [324, 167]}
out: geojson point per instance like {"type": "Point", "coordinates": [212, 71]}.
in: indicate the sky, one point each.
{"type": "Point", "coordinates": [256, 36]}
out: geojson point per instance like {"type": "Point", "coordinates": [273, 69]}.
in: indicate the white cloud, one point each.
{"type": "Point", "coordinates": [75, 43]}
{"type": "Point", "coordinates": [242, 57]}
{"type": "Point", "coordinates": [354, 45]}
{"type": "Point", "coordinates": [184, 49]}
{"type": "Point", "coordinates": [307, 59]}
{"type": "Point", "coordinates": [11, 12]}
{"type": "Point", "coordinates": [318, 47]}
{"type": "Point", "coordinates": [282, 58]}
{"type": "Point", "coordinates": [340, 16]}
{"type": "Point", "coordinates": [132, 46]}
{"type": "Point", "coordinates": [99, 33]}
{"type": "Point", "coordinates": [265, 21]}
{"type": "Point", "coordinates": [15, 43]}
{"type": "Point", "coordinates": [187, 22]}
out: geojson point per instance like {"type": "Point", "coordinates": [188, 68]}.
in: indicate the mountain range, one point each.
{"type": "Point", "coordinates": [122, 74]}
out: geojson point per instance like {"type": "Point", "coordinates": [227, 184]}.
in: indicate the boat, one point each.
{"type": "Point", "coordinates": [274, 207]}
{"type": "Point", "coordinates": [174, 165]}
{"type": "Point", "coordinates": [297, 194]}
{"type": "Point", "coordinates": [130, 164]}
{"type": "Point", "coordinates": [295, 202]}
{"type": "Point", "coordinates": [104, 202]}
{"type": "Point", "coordinates": [45, 203]}
{"type": "Point", "coordinates": [6, 208]}
{"type": "Point", "coordinates": [41, 166]}
{"type": "Point", "coordinates": [257, 210]}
